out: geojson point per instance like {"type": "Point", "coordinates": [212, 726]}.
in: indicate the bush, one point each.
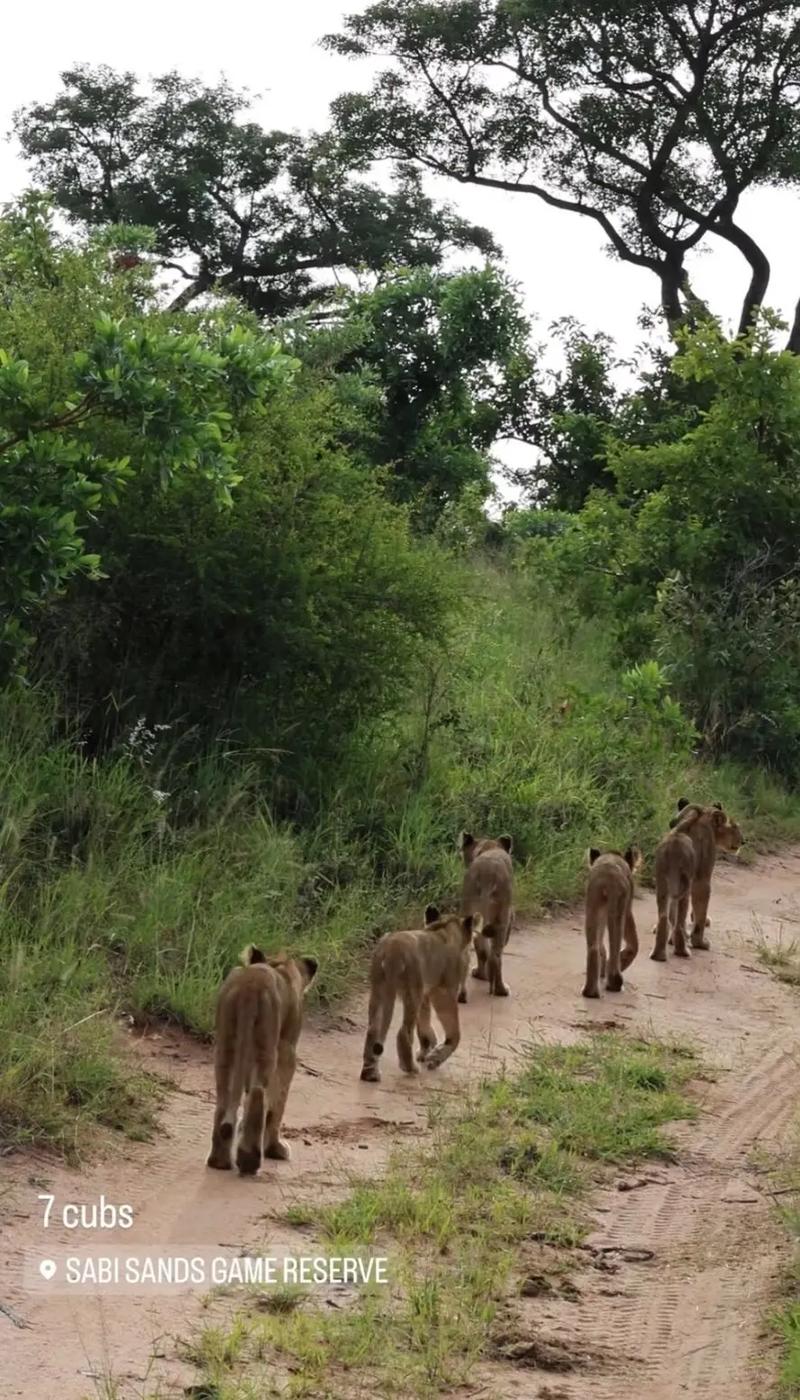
{"type": "Point", "coordinates": [281, 621]}
{"type": "Point", "coordinates": [695, 558]}
{"type": "Point", "coordinates": [95, 385]}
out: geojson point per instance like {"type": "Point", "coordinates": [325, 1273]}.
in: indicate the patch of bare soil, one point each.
{"type": "Point", "coordinates": [684, 1257]}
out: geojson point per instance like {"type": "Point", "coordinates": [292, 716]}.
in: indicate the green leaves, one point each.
{"type": "Point", "coordinates": [450, 361]}
{"type": "Point", "coordinates": [174, 400]}
{"type": "Point", "coordinates": [649, 120]}
{"type": "Point", "coordinates": [696, 554]}
{"type": "Point", "coordinates": [267, 216]}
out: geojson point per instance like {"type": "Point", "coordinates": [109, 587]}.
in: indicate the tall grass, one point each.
{"type": "Point", "coordinates": [129, 885]}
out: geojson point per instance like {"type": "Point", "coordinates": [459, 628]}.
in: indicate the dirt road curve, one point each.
{"type": "Point", "coordinates": [683, 1326]}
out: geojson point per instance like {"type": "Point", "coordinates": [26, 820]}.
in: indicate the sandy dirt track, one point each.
{"type": "Point", "coordinates": [671, 1304]}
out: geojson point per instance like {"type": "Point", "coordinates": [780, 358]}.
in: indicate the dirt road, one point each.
{"type": "Point", "coordinates": [684, 1325]}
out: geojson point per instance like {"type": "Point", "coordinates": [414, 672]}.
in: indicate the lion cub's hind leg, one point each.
{"type": "Point", "coordinates": [248, 1150]}
{"type": "Point", "coordinates": [613, 970]}
{"type": "Point", "coordinates": [662, 928]}
{"type": "Point", "coordinates": [680, 907]}
{"type": "Point", "coordinates": [595, 952]}
{"type": "Point", "coordinates": [225, 1114]}
{"type": "Point", "coordinates": [446, 1007]}
{"type": "Point", "coordinates": [481, 970]}
{"type": "Point", "coordinates": [229, 1096]}
{"type": "Point", "coordinates": [274, 1145]}
{"type": "Point", "coordinates": [425, 1031]}
{"type": "Point", "coordinates": [701, 894]}
{"type": "Point", "coordinates": [496, 941]}
{"type": "Point", "coordinates": [381, 1009]}
{"type": "Point", "coordinates": [405, 1035]}
{"type": "Point", "coordinates": [631, 947]}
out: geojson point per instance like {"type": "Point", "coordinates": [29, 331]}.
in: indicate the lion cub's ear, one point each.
{"type": "Point", "coordinates": [592, 855]}
{"type": "Point", "coordinates": [505, 842]}
{"type": "Point", "coordinates": [465, 840]}
{"type": "Point", "coordinates": [432, 915]}
{"type": "Point", "coordinates": [718, 818]}
{"type": "Point", "coordinates": [718, 806]}
{"type": "Point", "coordinates": [633, 858]}
{"type": "Point", "coordinates": [308, 970]}
{"type": "Point", "coordinates": [681, 803]}
{"type": "Point", "coordinates": [251, 954]}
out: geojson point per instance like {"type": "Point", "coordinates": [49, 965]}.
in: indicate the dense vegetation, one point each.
{"type": "Point", "coordinates": [263, 650]}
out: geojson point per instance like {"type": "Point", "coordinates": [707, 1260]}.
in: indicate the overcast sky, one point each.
{"type": "Point", "coordinates": [272, 49]}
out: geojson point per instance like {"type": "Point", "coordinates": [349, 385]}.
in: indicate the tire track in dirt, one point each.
{"type": "Point", "coordinates": [683, 1324]}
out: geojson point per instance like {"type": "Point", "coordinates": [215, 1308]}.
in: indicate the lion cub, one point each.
{"type": "Point", "coordinates": [425, 968]}
{"type": "Point", "coordinates": [684, 863]}
{"type": "Point", "coordinates": [258, 1021]}
{"type": "Point", "coordinates": [609, 900]}
{"type": "Point", "coordinates": [488, 890]}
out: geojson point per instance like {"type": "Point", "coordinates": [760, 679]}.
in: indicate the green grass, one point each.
{"type": "Point", "coordinates": [129, 885]}
{"type": "Point", "coordinates": [504, 1180]}
{"type": "Point", "coordinates": [784, 1181]}
{"type": "Point", "coordinates": [788, 1325]}
{"type": "Point", "coordinates": [783, 960]}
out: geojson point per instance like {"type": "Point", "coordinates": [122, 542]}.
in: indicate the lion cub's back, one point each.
{"type": "Point", "coordinates": [248, 988]}
{"type": "Point", "coordinates": [487, 886]}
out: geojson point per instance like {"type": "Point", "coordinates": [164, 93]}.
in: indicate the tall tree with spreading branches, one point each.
{"type": "Point", "coordinates": [265, 215]}
{"type": "Point", "coordinates": [649, 117]}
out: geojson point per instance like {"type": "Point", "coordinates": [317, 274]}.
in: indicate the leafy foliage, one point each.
{"type": "Point", "coordinates": [570, 420]}
{"type": "Point", "coordinates": [442, 367]}
{"type": "Point", "coordinates": [85, 404]}
{"type": "Point", "coordinates": [696, 553]}
{"type": "Point", "coordinates": [288, 617]}
{"type": "Point", "coordinates": [650, 120]}
{"type": "Point", "coordinates": [263, 214]}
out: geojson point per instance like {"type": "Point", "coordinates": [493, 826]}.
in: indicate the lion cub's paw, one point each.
{"type": "Point", "coordinates": [248, 1160]}
{"type": "Point", "coordinates": [220, 1164]}
{"type": "Point", "coordinates": [279, 1151]}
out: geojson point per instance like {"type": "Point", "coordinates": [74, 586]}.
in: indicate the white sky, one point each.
{"type": "Point", "coordinates": [272, 49]}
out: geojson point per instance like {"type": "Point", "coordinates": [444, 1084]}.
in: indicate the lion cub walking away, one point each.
{"type": "Point", "coordinates": [258, 1021]}
{"type": "Point", "coordinates": [487, 891]}
{"type": "Point", "coordinates": [425, 968]}
{"type": "Point", "coordinates": [609, 900]}
{"type": "Point", "coordinates": [684, 863]}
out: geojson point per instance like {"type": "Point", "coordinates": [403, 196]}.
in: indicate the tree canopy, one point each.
{"type": "Point", "coordinates": [442, 366]}
{"type": "Point", "coordinates": [266, 215]}
{"type": "Point", "coordinates": [92, 390]}
{"type": "Point", "coordinates": [652, 119]}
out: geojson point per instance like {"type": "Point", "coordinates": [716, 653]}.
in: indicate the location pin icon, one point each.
{"type": "Point", "coordinates": [47, 1268]}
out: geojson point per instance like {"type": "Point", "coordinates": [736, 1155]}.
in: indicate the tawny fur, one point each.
{"type": "Point", "coordinates": [684, 864]}
{"type": "Point", "coordinates": [488, 891]}
{"type": "Point", "coordinates": [425, 969]}
{"type": "Point", "coordinates": [609, 901]}
{"type": "Point", "coordinates": [258, 1021]}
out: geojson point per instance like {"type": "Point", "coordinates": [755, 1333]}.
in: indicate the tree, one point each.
{"type": "Point", "coordinates": [695, 554]}
{"type": "Point", "coordinates": [264, 215]}
{"type": "Point", "coordinates": [441, 365]}
{"type": "Point", "coordinates": [93, 390]}
{"type": "Point", "coordinates": [280, 623]}
{"type": "Point", "coordinates": [572, 416]}
{"type": "Point", "coordinates": [650, 119]}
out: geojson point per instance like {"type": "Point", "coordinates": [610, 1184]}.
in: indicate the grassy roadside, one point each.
{"type": "Point", "coordinates": [128, 885]}
{"type": "Point", "coordinates": [487, 1213]}
{"type": "Point", "coordinates": [784, 1182]}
